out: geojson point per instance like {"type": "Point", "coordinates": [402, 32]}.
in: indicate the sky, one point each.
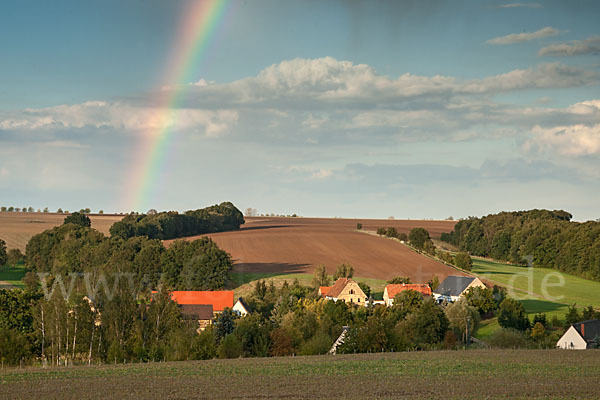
{"type": "Point", "coordinates": [367, 109]}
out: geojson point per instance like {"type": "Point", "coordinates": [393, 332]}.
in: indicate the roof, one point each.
{"type": "Point", "coordinates": [338, 286]}
{"type": "Point", "coordinates": [197, 311]}
{"type": "Point", "coordinates": [324, 290]}
{"type": "Point", "coordinates": [454, 285]}
{"type": "Point", "coordinates": [588, 329]}
{"type": "Point", "coordinates": [219, 299]}
{"type": "Point", "coordinates": [394, 289]}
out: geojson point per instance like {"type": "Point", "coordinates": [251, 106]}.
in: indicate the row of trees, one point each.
{"type": "Point", "coordinates": [75, 248]}
{"type": "Point", "coordinates": [540, 238]}
{"type": "Point", "coordinates": [10, 257]}
{"type": "Point", "coordinates": [170, 225]}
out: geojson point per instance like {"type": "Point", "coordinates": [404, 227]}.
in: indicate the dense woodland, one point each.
{"type": "Point", "coordinates": [171, 225]}
{"type": "Point", "coordinates": [540, 238]}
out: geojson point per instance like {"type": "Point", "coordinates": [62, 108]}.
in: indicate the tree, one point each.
{"type": "Point", "coordinates": [78, 219]}
{"type": "Point", "coordinates": [572, 316]}
{"type": "Point", "coordinates": [3, 255]}
{"type": "Point", "coordinates": [391, 232]}
{"type": "Point", "coordinates": [381, 231]}
{"type": "Point", "coordinates": [365, 288]}
{"type": "Point", "coordinates": [225, 323]}
{"type": "Point", "coordinates": [538, 332]}
{"type": "Point", "coordinates": [463, 261]}
{"type": "Point", "coordinates": [462, 315]}
{"type": "Point", "coordinates": [101, 212]}
{"type": "Point", "coordinates": [14, 256]}
{"type": "Point", "coordinates": [425, 326]}
{"type": "Point", "coordinates": [230, 347]}
{"type": "Point", "coordinates": [512, 315]}
{"type": "Point", "coordinates": [482, 299]}
{"type": "Point", "coordinates": [359, 226]}
{"type": "Point", "coordinates": [343, 271]}
{"type": "Point", "coordinates": [320, 277]}
{"type": "Point", "coordinates": [418, 237]}
{"type": "Point", "coordinates": [59, 211]}
{"type": "Point", "coordinates": [45, 209]}
{"type": "Point", "coordinates": [400, 280]}
{"type": "Point", "coordinates": [434, 283]}
{"type": "Point", "coordinates": [3, 209]}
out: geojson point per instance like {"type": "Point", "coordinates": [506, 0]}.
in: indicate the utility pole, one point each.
{"type": "Point", "coordinates": [468, 333]}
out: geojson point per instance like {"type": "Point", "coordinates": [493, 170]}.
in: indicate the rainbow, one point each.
{"type": "Point", "coordinates": [197, 28]}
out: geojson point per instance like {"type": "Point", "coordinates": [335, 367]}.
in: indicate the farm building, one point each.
{"type": "Point", "coordinates": [392, 290]}
{"type": "Point", "coordinates": [218, 299]}
{"type": "Point", "coordinates": [241, 308]}
{"type": "Point", "coordinates": [347, 290]}
{"type": "Point", "coordinates": [455, 286]}
{"type": "Point", "coordinates": [581, 336]}
{"type": "Point", "coordinates": [200, 313]}
{"type": "Point", "coordinates": [323, 290]}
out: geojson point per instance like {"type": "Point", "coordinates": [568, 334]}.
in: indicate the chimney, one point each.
{"type": "Point", "coordinates": [583, 330]}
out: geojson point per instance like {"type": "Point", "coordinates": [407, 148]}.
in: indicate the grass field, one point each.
{"type": "Point", "coordinates": [528, 284]}
{"type": "Point", "coordinates": [444, 374]}
{"type": "Point", "coordinates": [12, 275]}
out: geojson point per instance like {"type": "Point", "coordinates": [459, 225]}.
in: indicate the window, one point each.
{"type": "Point", "coordinates": [351, 291]}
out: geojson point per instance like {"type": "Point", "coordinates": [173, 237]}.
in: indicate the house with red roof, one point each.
{"type": "Point", "coordinates": [218, 299]}
{"type": "Point", "coordinates": [392, 290]}
{"type": "Point", "coordinates": [347, 290]}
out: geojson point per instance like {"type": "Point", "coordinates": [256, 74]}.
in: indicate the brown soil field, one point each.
{"type": "Point", "coordinates": [16, 228]}
{"type": "Point", "coordinates": [296, 245]}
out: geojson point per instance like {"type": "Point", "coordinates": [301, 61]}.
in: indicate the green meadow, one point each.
{"type": "Point", "coordinates": [12, 275]}
{"type": "Point", "coordinates": [540, 289]}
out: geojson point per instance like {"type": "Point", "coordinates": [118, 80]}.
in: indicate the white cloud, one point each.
{"type": "Point", "coordinates": [573, 140]}
{"type": "Point", "coordinates": [515, 5]}
{"type": "Point", "coordinates": [524, 36]}
{"type": "Point", "coordinates": [120, 116]}
{"type": "Point", "coordinates": [322, 174]}
{"type": "Point", "coordinates": [573, 48]}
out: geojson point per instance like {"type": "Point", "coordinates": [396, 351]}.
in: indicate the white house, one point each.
{"type": "Point", "coordinates": [241, 308]}
{"type": "Point", "coordinates": [581, 336]}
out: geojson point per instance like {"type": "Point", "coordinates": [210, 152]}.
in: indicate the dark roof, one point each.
{"type": "Point", "coordinates": [243, 303]}
{"type": "Point", "coordinates": [454, 285]}
{"type": "Point", "coordinates": [197, 311]}
{"type": "Point", "coordinates": [588, 329]}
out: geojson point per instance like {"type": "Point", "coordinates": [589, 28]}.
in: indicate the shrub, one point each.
{"type": "Point", "coordinates": [463, 261]}
{"type": "Point", "coordinates": [508, 339]}
{"type": "Point", "coordinates": [320, 343]}
{"type": "Point", "coordinates": [230, 347]}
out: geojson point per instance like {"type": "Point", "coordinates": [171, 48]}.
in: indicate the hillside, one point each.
{"type": "Point", "coordinates": [438, 374]}
{"type": "Point", "coordinates": [279, 245]}
{"type": "Point", "coordinates": [16, 228]}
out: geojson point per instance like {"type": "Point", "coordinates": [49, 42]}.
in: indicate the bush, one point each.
{"type": "Point", "coordinates": [3, 256]}
{"type": "Point", "coordinates": [508, 339]}
{"type": "Point", "coordinates": [418, 237]}
{"type": "Point", "coordinates": [78, 219]}
{"type": "Point", "coordinates": [463, 261]}
{"type": "Point", "coordinates": [230, 347]}
{"type": "Point", "coordinates": [512, 315]}
{"type": "Point", "coordinates": [14, 347]}
{"type": "Point", "coordinates": [320, 343]}
{"type": "Point", "coordinates": [15, 257]}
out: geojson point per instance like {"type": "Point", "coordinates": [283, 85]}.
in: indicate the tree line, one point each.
{"type": "Point", "coordinates": [540, 238]}
{"type": "Point", "coordinates": [171, 224]}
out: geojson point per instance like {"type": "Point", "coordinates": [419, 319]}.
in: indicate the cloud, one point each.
{"type": "Point", "coordinates": [590, 45]}
{"type": "Point", "coordinates": [572, 140]}
{"type": "Point", "coordinates": [119, 116]}
{"type": "Point", "coordinates": [322, 174]}
{"type": "Point", "coordinates": [515, 5]}
{"type": "Point", "coordinates": [525, 36]}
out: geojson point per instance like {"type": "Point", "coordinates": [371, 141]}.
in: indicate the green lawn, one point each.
{"type": "Point", "coordinates": [561, 289]}
{"type": "Point", "coordinates": [12, 275]}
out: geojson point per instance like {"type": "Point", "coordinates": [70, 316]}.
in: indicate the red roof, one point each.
{"type": "Point", "coordinates": [219, 299]}
{"type": "Point", "coordinates": [324, 290]}
{"type": "Point", "coordinates": [394, 289]}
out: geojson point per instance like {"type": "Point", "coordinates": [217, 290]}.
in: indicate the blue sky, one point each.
{"type": "Point", "coordinates": [412, 109]}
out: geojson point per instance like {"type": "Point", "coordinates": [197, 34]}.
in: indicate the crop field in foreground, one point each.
{"type": "Point", "coordinates": [443, 374]}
